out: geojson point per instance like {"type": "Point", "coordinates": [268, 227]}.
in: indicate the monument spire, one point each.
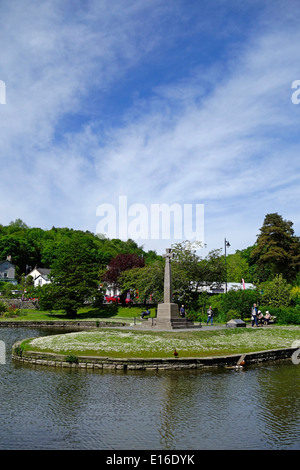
{"type": "Point", "coordinates": [168, 277]}
{"type": "Point", "coordinates": [168, 312]}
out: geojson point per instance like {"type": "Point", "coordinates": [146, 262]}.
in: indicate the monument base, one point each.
{"type": "Point", "coordinates": [168, 317]}
{"type": "Point", "coordinates": [167, 312]}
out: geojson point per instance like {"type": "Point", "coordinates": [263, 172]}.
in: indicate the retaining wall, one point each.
{"type": "Point", "coordinates": [60, 324]}
{"type": "Point", "coordinates": [92, 362]}
{"type": "Point", "coordinates": [18, 303]}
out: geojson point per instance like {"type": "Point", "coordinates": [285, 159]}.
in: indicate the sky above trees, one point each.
{"type": "Point", "coordinates": [166, 102]}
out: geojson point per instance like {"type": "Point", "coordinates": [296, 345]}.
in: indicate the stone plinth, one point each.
{"type": "Point", "coordinates": [168, 318]}
{"type": "Point", "coordinates": [167, 312]}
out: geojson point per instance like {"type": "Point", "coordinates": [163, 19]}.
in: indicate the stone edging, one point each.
{"type": "Point", "coordinates": [93, 362]}
{"type": "Point", "coordinates": [61, 324]}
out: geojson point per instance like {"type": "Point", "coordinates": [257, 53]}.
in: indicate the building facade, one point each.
{"type": "Point", "coordinates": [7, 271]}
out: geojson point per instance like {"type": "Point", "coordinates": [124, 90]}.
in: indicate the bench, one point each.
{"type": "Point", "coordinates": [136, 319]}
{"type": "Point", "coordinates": [271, 321]}
{"type": "Point", "coordinates": [261, 322]}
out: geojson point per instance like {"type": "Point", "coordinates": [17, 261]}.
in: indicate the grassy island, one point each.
{"type": "Point", "coordinates": [125, 343]}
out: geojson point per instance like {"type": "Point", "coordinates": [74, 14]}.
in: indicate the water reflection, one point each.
{"type": "Point", "coordinates": [279, 405]}
{"type": "Point", "coordinates": [45, 408]}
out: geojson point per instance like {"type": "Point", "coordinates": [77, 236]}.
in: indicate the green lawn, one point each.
{"type": "Point", "coordinates": [108, 312]}
{"type": "Point", "coordinates": [122, 343]}
{"type": "Point", "coordinates": [136, 343]}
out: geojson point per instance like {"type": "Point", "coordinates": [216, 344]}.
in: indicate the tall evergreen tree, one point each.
{"type": "Point", "coordinates": [277, 249]}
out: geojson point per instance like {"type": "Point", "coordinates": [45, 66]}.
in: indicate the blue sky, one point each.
{"type": "Point", "coordinates": [161, 101]}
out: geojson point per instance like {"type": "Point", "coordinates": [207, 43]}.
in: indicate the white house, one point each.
{"type": "Point", "coordinates": [40, 276]}
{"type": "Point", "coordinates": [220, 288]}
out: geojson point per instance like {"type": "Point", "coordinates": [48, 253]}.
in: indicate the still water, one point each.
{"type": "Point", "coordinates": [45, 408]}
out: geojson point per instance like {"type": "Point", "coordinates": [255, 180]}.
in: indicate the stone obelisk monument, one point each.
{"type": "Point", "coordinates": [167, 311]}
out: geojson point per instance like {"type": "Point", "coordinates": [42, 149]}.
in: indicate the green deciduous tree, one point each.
{"type": "Point", "coordinates": [189, 272]}
{"type": "Point", "coordinates": [19, 249]}
{"type": "Point", "coordinates": [238, 268]}
{"type": "Point", "coordinates": [148, 281]}
{"type": "Point", "coordinates": [75, 279]}
{"type": "Point", "coordinates": [277, 292]}
{"type": "Point", "coordinates": [295, 296]}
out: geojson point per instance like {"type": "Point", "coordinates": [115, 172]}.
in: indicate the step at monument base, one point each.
{"type": "Point", "coordinates": [173, 324]}
{"type": "Point", "coordinates": [168, 317]}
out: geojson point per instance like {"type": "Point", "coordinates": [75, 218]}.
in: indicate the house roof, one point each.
{"type": "Point", "coordinates": [6, 261]}
{"type": "Point", "coordinates": [45, 277]}
{"type": "Point", "coordinates": [43, 271]}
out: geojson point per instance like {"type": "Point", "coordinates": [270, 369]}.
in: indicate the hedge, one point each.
{"type": "Point", "coordinates": [284, 315]}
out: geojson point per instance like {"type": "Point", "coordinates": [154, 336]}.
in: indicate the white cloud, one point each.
{"type": "Point", "coordinates": [222, 133]}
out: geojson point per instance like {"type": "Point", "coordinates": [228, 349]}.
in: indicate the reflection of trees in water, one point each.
{"type": "Point", "coordinates": [187, 397]}
{"type": "Point", "coordinates": [257, 408]}
{"type": "Point", "coordinates": [68, 394]}
{"type": "Point", "coordinates": [278, 399]}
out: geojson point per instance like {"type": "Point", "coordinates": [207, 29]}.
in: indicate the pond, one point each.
{"type": "Point", "coordinates": [65, 409]}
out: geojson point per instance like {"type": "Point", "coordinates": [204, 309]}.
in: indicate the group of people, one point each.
{"type": "Point", "coordinates": [258, 318]}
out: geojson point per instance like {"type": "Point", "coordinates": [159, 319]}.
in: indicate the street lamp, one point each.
{"type": "Point", "coordinates": [226, 244]}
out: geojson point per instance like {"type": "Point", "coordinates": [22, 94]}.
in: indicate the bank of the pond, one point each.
{"type": "Point", "coordinates": [63, 324]}
{"type": "Point", "coordinates": [108, 312]}
{"type": "Point", "coordinates": [119, 348]}
{"type": "Point", "coordinates": [95, 362]}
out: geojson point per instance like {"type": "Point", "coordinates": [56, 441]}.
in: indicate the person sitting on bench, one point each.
{"type": "Point", "coordinates": [267, 318]}
{"type": "Point", "coordinates": [145, 314]}
{"type": "Point", "coordinates": [260, 318]}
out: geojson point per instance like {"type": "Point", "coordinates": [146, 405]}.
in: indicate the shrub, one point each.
{"type": "Point", "coordinates": [277, 292]}
{"type": "Point", "coordinates": [232, 314]}
{"type": "Point", "coordinates": [295, 296]}
{"type": "Point", "coordinates": [18, 350]}
{"type": "Point", "coordinates": [240, 300]}
{"type": "Point", "coordinates": [284, 315]}
{"type": "Point", "coordinates": [72, 359]}
{"type": "Point", "coordinates": [3, 308]}
{"type": "Point", "coordinates": [13, 312]}
{"type": "Point", "coordinates": [194, 315]}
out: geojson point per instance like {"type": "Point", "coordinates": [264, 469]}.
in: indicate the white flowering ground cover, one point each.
{"type": "Point", "coordinates": [127, 343]}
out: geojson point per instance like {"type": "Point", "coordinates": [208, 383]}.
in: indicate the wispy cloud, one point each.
{"type": "Point", "coordinates": [96, 109]}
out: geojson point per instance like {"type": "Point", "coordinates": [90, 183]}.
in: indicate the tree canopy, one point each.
{"type": "Point", "coordinates": [121, 263]}
{"type": "Point", "coordinates": [37, 247]}
{"type": "Point", "coordinates": [75, 279]}
{"type": "Point", "coordinates": [80, 261]}
{"type": "Point", "coordinates": [277, 249]}
{"type": "Point", "coordinates": [189, 272]}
